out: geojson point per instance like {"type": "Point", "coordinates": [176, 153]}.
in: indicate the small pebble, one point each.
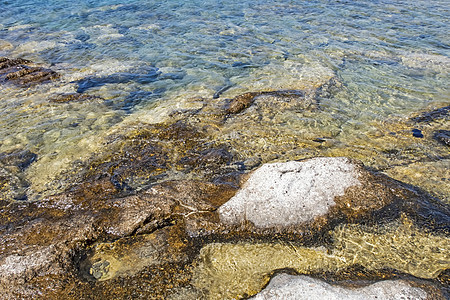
{"type": "Point", "coordinates": [417, 133]}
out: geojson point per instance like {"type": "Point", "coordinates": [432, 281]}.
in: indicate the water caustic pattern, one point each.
{"type": "Point", "coordinates": [146, 59]}
{"type": "Point", "coordinates": [230, 271]}
{"type": "Point", "coordinates": [102, 99]}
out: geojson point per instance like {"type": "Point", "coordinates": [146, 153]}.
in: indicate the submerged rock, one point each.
{"type": "Point", "coordinates": [281, 98]}
{"type": "Point", "coordinates": [149, 153]}
{"type": "Point", "coordinates": [47, 238]}
{"type": "Point", "coordinates": [98, 240]}
{"type": "Point", "coordinates": [23, 72]}
{"type": "Point", "coordinates": [237, 270]}
{"type": "Point", "coordinates": [430, 116]}
{"type": "Point", "coordinates": [433, 177]}
{"type": "Point", "coordinates": [71, 97]}
{"type": "Point", "coordinates": [21, 159]}
{"type": "Point", "coordinates": [13, 184]}
{"type": "Point", "coordinates": [284, 286]}
{"type": "Point", "coordinates": [143, 76]}
{"type": "Point", "coordinates": [442, 136]}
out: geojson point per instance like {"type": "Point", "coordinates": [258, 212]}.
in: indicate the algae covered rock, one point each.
{"type": "Point", "coordinates": [442, 136]}
{"type": "Point", "coordinates": [239, 270]}
{"type": "Point", "coordinates": [23, 72]}
{"type": "Point", "coordinates": [48, 238]}
{"type": "Point", "coordinates": [13, 184]}
{"type": "Point", "coordinates": [147, 154]}
{"type": "Point", "coordinates": [284, 286]}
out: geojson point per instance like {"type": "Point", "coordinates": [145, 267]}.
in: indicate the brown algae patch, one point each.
{"type": "Point", "coordinates": [230, 271]}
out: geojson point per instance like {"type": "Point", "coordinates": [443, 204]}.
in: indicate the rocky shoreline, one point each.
{"type": "Point", "coordinates": [180, 210]}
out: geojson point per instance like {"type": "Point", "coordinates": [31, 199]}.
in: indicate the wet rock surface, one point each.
{"type": "Point", "coordinates": [98, 237]}
{"type": "Point", "coordinates": [48, 238]}
{"type": "Point", "coordinates": [286, 286]}
{"type": "Point", "coordinates": [151, 153]}
{"type": "Point", "coordinates": [285, 194]}
{"type": "Point", "coordinates": [23, 72]}
{"type": "Point", "coordinates": [311, 193]}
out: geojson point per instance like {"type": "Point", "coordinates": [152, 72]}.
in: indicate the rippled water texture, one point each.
{"type": "Point", "coordinates": [147, 58]}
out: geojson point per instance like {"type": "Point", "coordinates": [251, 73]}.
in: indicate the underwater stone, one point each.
{"type": "Point", "coordinates": [71, 97]}
{"type": "Point", "coordinates": [290, 193]}
{"type": "Point", "coordinates": [22, 72]}
{"type": "Point", "coordinates": [241, 102]}
{"type": "Point", "coordinates": [442, 136]}
{"type": "Point", "coordinates": [430, 116]}
{"type": "Point", "coordinates": [21, 159]}
{"type": "Point", "coordinates": [144, 76]}
{"type": "Point", "coordinates": [417, 133]}
{"type": "Point", "coordinates": [269, 98]}
{"type": "Point", "coordinates": [284, 286]}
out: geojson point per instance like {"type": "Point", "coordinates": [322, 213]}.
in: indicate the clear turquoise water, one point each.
{"type": "Point", "coordinates": [392, 58]}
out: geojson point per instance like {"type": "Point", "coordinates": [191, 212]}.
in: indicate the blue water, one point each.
{"type": "Point", "coordinates": [392, 58]}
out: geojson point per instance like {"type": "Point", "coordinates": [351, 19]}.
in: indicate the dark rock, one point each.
{"type": "Point", "coordinates": [21, 159]}
{"type": "Point", "coordinates": [83, 37]}
{"type": "Point", "coordinates": [436, 114]}
{"type": "Point", "coordinates": [417, 133]}
{"type": "Point", "coordinates": [72, 97]}
{"type": "Point", "coordinates": [147, 154]}
{"type": "Point", "coordinates": [23, 73]}
{"type": "Point", "coordinates": [271, 98]}
{"type": "Point", "coordinates": [442, 136]}
{"type": "Point", "coordinates": [221, 90]}
{"type": "Point", "coordinates": [13, 184]}
{"type": "Point", "coordinates": [178, 75]}
{"type": "Point", "coordinates": [241, 102]}
{"type": "Point", "coordinates": [146, 75]}
{"type": "Point", "coordinates": [137, 97]}
{"type": "Point", "coordinates": [8, 63]}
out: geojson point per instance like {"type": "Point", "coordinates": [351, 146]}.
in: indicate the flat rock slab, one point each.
{"type": "Point", "coordinates": [285, 287]}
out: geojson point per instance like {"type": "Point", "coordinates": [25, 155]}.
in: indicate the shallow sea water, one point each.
{"type": "Point", "coordinates": [390, 61]}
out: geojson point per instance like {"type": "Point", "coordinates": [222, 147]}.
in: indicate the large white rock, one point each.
{"type": "Point", "coordinates": [283, 194]}
{"type": "Point", "coordinates": [287, 287]}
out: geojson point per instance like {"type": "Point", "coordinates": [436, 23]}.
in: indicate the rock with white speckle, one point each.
{"type": "Point", "coordinates": [290, 193]}
{"type": "Point", "coordinates": [287, 287]}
